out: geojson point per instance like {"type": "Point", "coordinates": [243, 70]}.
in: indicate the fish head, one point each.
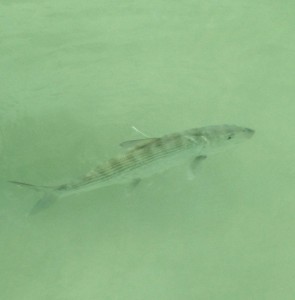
{"type": "Point", "coordinates": [222, 136]}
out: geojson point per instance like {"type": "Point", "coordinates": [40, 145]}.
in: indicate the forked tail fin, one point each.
{"type": "Point", "coordinates": [49, 196]}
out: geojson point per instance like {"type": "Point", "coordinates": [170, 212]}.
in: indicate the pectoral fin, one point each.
{"type": "Point", "coordinates": [195, 164]}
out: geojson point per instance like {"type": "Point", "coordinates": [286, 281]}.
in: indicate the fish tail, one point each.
{"type": "Point", "coordinates": [46, 201]}
{"type": "Point", "coordinates": [49, 196]}
{"type": "Point", "coordinates": [32, 186]}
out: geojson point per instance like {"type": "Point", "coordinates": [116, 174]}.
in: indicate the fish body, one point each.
{"type": "Point", "coordinates": [146, 157]}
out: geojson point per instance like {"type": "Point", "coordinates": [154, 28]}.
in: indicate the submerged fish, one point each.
{"type": "Point", "coordinates": [146, 157]}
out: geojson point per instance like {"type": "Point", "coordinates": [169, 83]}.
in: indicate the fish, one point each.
{"type": "Point", "coordinates": [145, 157]}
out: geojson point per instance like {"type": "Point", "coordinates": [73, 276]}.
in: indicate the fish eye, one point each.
{"type": "Point", "coordinates": [229, 137]}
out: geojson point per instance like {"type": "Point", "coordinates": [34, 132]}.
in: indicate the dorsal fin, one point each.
{"type": "Point", "coordinates": [134, 143]}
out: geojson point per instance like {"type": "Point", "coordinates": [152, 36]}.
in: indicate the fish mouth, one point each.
{"type": "Point", "coordinates": [249, 132]}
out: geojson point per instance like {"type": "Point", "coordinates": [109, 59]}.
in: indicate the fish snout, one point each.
{"type": "Point", "coordinates": [249, 132]}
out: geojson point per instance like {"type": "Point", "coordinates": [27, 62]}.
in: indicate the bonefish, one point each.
{"type": "Point", "coordinates": [146, 157]}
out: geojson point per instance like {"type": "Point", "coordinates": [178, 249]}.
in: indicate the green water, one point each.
{"type": "Point", "coordinates": [75, 77]}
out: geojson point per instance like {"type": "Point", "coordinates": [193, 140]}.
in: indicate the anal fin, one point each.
{"type": "Point", "coordinates": [135, 182]}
